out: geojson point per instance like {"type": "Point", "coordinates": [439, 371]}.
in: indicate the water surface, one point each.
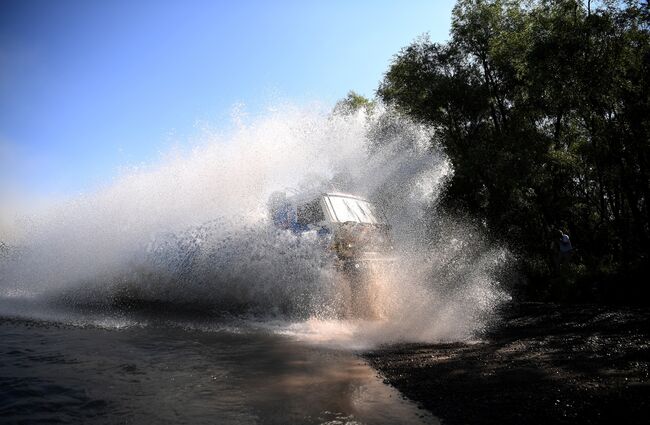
{"type": "Point", "coordinates": [52, 373]}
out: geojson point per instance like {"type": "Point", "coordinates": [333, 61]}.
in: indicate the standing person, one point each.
{"type": "Point", "coordinates": [564, 248]}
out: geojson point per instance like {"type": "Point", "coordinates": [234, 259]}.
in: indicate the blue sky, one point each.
{"type": "Point", "coordinates": [89, 87]}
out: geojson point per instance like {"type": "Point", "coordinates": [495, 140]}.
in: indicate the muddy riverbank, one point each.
{"type": "Point", "coordinates": [539, 364]}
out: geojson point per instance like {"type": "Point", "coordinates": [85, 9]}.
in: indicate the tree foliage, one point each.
{"type": "Point", "coordinates": [544, 109]}
{"type": "Point", "coordinates": [353, 102]}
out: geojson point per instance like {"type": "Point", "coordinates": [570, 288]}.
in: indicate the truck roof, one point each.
{"type": "Point", "coordinates": [311, 196]}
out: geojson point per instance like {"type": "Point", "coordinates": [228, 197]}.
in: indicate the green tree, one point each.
{"type": "Point", "coordinates": [543, 108]}
{"type": "Point", "coordinates": [353, 102]}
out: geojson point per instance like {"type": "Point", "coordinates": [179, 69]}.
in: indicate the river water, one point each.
{"type": "Point", "coordinates": [162, 373]}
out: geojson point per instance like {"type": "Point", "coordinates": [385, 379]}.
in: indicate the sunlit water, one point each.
{"type": "Point", "coordinates": [191, 233]}
{"type": "Point", "coordinates": [165, 374]}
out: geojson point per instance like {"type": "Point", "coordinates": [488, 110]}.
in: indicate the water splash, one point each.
{"type": "Point", "coordinates": [191, 232]}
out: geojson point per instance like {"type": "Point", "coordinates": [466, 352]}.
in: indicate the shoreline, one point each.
{"type": "Point", "coordinates": [540, 364]}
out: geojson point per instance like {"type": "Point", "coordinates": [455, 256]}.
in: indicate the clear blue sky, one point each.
{"type": "Point", "coordinates": [89, 86]}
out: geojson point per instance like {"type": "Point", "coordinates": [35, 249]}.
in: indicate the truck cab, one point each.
{"type": "Point", "coordinates": [357, 231]}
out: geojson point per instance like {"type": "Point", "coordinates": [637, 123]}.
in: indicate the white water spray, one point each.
{"type": "Point", "coordinates": [192, 231]}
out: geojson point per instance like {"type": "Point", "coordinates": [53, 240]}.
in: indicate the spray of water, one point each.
{"type": "Point", "coordinates": [192, 232]}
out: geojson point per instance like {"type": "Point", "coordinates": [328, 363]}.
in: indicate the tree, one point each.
{"type": "Point", "coordinates": [544, 109]}
{"type": "Point", "coordinates": [352, 103]}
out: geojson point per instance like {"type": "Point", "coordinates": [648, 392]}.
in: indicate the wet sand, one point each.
{"type": "Point", "coordinates": [540, 364]}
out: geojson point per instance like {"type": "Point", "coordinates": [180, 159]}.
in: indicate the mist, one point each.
{"type": "Point", "coordinates": [191, 230]}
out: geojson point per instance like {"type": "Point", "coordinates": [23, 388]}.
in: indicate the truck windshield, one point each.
{"type": "Point", "coordinates": [352, 209]}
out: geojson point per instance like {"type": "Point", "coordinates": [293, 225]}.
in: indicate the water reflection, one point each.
{"type": "Point", "coordinates": [171, 375]}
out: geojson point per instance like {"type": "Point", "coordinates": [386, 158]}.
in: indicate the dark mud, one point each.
{"type": "Point", "coordinates": [540, 364]}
